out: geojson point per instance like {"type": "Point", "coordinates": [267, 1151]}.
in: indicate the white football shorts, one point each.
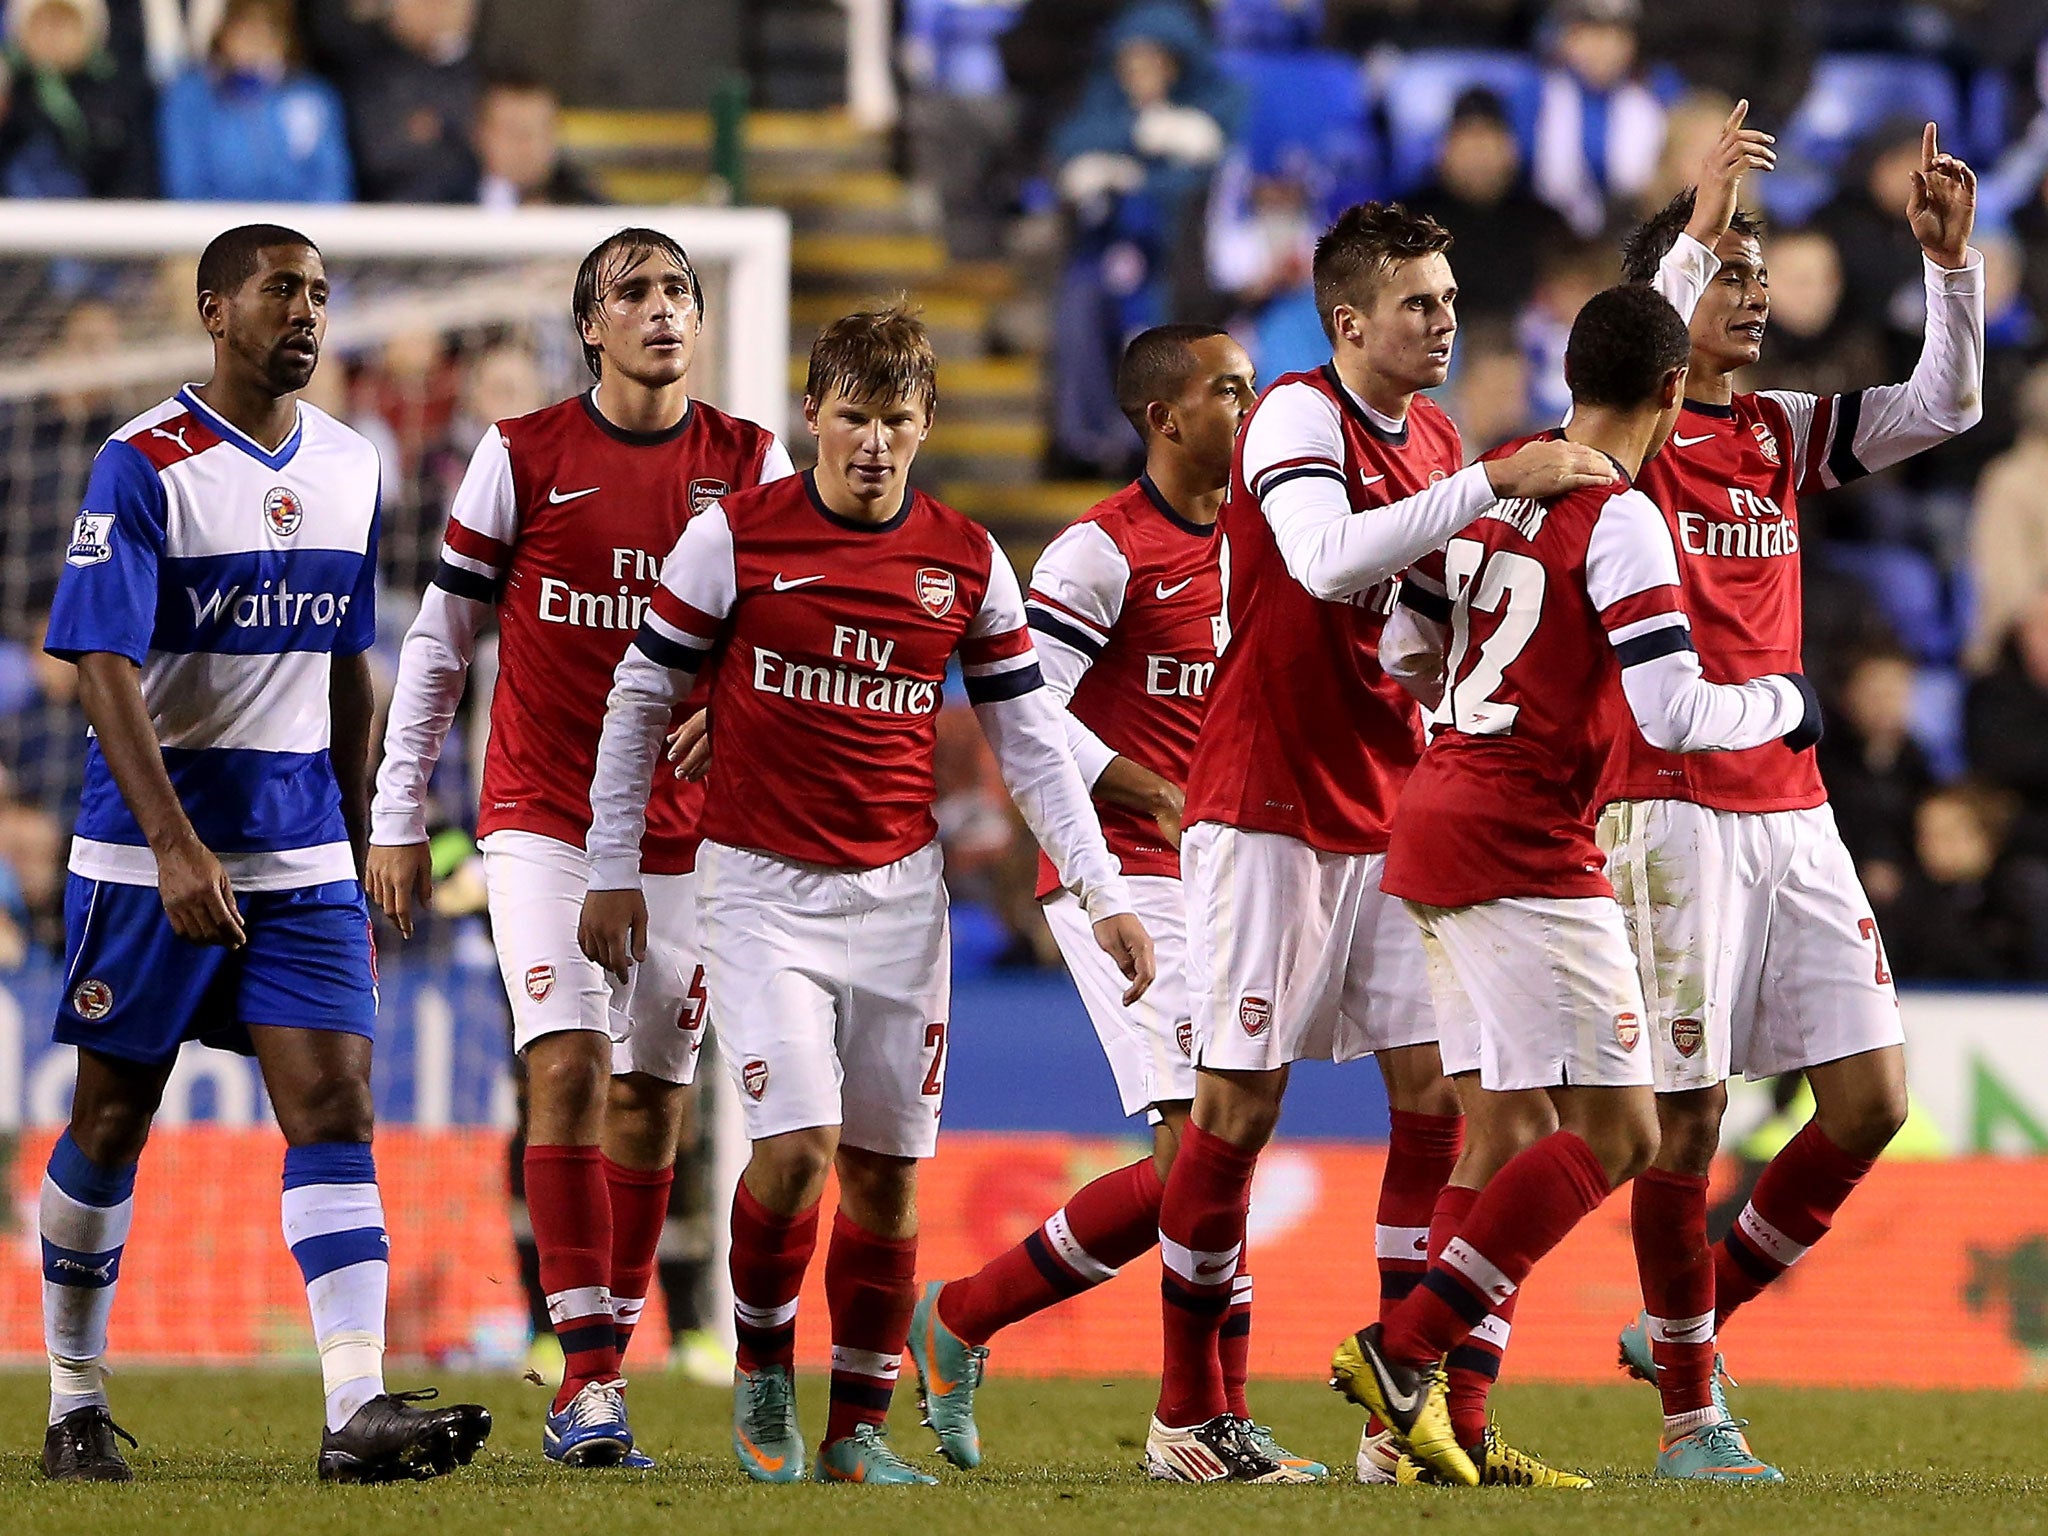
{"type": "Point", "coordinates": [832, 989]}
{"type": "Point", "coordinates": [1150, 1044]}
{"type": "Point", "coordinates": [535, 888]}
{"type": "Point", "coordinates": [1757, 948]}
{"type": "Point", "coordinates": [1295, 954]}
{"type": "Point", "coordinates": [1536, 992]}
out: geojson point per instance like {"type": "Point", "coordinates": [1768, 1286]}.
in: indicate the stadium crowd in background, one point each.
{"type": "Point", "coordinates": [1141, 133]}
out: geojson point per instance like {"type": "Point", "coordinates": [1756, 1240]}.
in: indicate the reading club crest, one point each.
{"type": "Point", "coordinates": [936, 591]}
{"type": "Point", "coordinates": [705, 492]}
{"type": "Point", "coordinates": [92, 999]}
{"type": "Point", "coordinates": [1766, 440]}
{"type": "Point", "coordinates": [283, 510]}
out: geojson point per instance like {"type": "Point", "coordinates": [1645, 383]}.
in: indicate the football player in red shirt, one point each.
{"type": "Point", "coordinates": [1562, 612]}
{"type": "Point", "coordinates": [1342, 476]}
{"type": "Point", "coordinates": [558, 530]}
{"type": "Point", "coordinates": [1760, 953]}
{"type": "Point", "coordinates": [1126, 611]}
{"type": "Point", "coordinates": [836, 601]}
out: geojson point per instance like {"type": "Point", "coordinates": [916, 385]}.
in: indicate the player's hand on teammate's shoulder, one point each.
{"type": "Point", "coordinates": [1942, 204]}
{"type": "Point", "coordinates": [1537, 471]}
{"type": "Point", "coordinates": [613, 929]}
{"type": "Point", "coordinates": [1124, 939]}
{"type": "Point", "coordinates": [1738, 151]}
{"type": "Point", "coordinates": [399, 877]}
{"type": "Point", "coordinates": [689, 746]}
{"type": "Point", "coordinates": [197, 897]}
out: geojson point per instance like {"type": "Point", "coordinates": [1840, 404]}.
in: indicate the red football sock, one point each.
{"type": "Point", "coordinates": [870, 1286]}
{"type": "Point", "coordinates": [769, 1256]}
{"type": "Point", "coordinates": [1790, 1210]}
{"type": "Point", "coordinates": [1201, 1241]}
{"type": "Point", "coordinates": [1527, 1209]}
{"type": "Point", "coordinates": [1669, 1218]}
{"type": "Point", "coordinates": [1234, 1345]}
{"type": "Point", "coordinates": [639, 1209]}
{"type": "Point", "coordinates": [1102, 1228]}
{"type": "Point", "coordinates": [1421, 1151]}
{"type": "Point", "coordinates": [572, 1229]}
{"type": "Point", "coordinates": [1471, 1369]}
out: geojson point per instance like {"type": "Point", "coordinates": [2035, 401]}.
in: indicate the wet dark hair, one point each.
{"type": "Point", "coordinates": [1363, 247]}
{"type": "Point", "coordinates": [1622, 344]}
{"type": "Point", "coordinates": [875, 355]}
{"type": "Point", "coordinates": [232, 256]}
{"type": "Point", "coordinates": [612, 258]}
{"type": "Point", "coordinates": [1651, 241]}
{"type": "Point", "coordinates": [1156, 366]}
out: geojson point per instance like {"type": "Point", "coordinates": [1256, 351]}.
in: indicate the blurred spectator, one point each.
{"type": "Point", "coordinates": [1489, 396]}
{"type": "Point", "coordinates": [411, 85]}
{"type": "Point", "coordinates": [1692, 127]}
{"type": "Point", "coordinates": [1599, 130]}
{"type": "Point", "coordinates": [1955, 919]}
{"type": "Point", "coordinates": [32, 848]}
{"type": "Point", "coordinates": [1481, 195]}
{"type": "Point", "coordinates": [2007, 723]}
{"type": "Point", "coordinates": [1134, 159]}
{"type": "Point", "coordinates": [250, 125]}
{"type": "Point", "coordinates": [1760, 49]}
{"type": "Point", "coordinates": [519, 149]}
{"type": "Point", "coordinates": [2009, 530]}
{"type": "Point", "coordinates": [76, 123]}
{"type": "Point", "coordinates": [1876, 773]}
{"type": "Point", "coordinates": [1047, 53]}
{"type": "Point", "coordinates": [1817, 344]}
{"type": "Point", "coordinates": [1262, 243]}
{"type": "Point", "coordinates": [1566, 276]}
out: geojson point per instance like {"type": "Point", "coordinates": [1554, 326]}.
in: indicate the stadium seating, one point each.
{"type": "Point", "coordinates": [949, 46]}
{"type": "Point", "coordinates": [1308, 116]}
{"type": "Point", "coordinates": [1912, 593]}
{"type": "Point", "coordinates": [1850, 95]}
{"type": "Point", "coordinates": [1269, 24]}
{"type": "Point", "coordinates": [1417, 91]}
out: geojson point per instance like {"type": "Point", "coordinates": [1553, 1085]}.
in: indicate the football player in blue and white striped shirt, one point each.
{"type": "Point", "coordinates": [218, 595]}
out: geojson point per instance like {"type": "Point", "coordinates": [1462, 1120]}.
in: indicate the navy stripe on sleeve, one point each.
{"type": "Point", "coordinates": [656, 646]}
{"type": "Point", "coordinates": [1842, 463]}
{"type": "Point", "coordinates": [1273, 483]}
{"type": "Point", "coordinates": [997, 686]}
{"type": "Point", "coordinates": [1067, 634]}
{"type": "Point", "coordinates": [1658, 642]}
{"type": "Point", "coordinates": [450, 577]}
{"type": "Point", "coordinates": [1431, 605]}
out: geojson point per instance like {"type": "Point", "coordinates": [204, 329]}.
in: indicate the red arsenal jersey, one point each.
{"type": "Point", "coordinates": [1728, 482]}
{"type": "Point", "coordinates": [1541, 597]}
{"type": "Point", "coordinates": [1126, 608]}
{"type": "Point", "coordinates": [836, 636]}
{"type": "Point", "coordinates": [564, 520]}
{"type": "Point", "coordinates": [1305, 735]}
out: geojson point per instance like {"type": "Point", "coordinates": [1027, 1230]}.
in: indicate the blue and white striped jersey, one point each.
{"type": "Point", "coordinates": [231, 575]}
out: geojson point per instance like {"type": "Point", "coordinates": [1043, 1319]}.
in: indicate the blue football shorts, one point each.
{"type": "Point", "coordinates": [134, 989]}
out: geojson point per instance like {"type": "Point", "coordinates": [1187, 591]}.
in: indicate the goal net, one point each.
{"type": "Point", "coordinates": [441, 321]}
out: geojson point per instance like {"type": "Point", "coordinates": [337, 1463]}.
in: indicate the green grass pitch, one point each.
{"type": "Point", "coordinates": [231, 1452]}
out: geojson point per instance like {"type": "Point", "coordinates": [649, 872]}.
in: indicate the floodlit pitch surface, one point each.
{"type": "Point", "coordinates": [232, 1452]}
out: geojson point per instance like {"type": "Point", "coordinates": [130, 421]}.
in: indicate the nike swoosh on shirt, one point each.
{"type": "Point", "coordinates": [556, 495]}
{"type": "Point", "coordinates": [784, 583]}
{"type": "Point", "coordinates": [1365, 480]}
{"type": "Point", "coordinates": [1164, 591]}
{"type": "Point", "coordinates": [1691, 442]}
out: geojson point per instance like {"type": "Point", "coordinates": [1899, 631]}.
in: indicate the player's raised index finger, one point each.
{"type": "Point", "coordinates": [1928, 148]}
{"type": "Point", "coordinates": [1735, 118]}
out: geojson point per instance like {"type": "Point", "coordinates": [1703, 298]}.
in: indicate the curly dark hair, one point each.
{"type": "Point", "coordinates": [1651, 240]}
{"type": "Point", "coordinates": [1622, 344]}
{"type": "Point", "coordinates": [1363, 247]}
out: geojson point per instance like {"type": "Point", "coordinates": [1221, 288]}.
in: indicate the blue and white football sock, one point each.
{"type": "Point", "coordinates": [84, 1225]}
{"type": "Point", "coordinates": [334, 1225]}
